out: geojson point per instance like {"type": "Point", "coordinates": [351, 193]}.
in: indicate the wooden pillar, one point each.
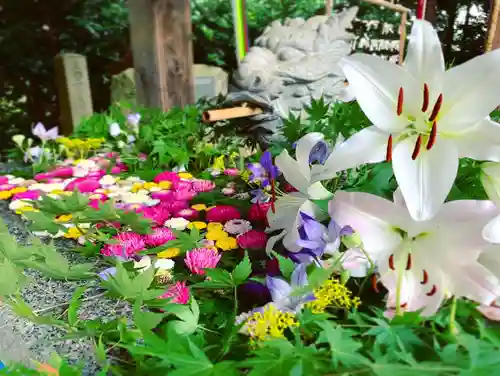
{"type": "Point", "coordinates": [160, 33]}
{"type": "Point", "coordinates": [493, 37]}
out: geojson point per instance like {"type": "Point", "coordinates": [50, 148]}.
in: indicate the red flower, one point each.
{"type": "Point", "coordinates": [258, 212]}
{"type": "Point", "coordinates": [222, 213]}
{"type": "Point", "coordinates": [252, 239]}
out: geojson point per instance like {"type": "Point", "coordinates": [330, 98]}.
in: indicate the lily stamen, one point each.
{"type": "Point", "coordinates": [432, 136]}
{"type": "Point", "coordinates": [374, 283]}
{"type": "Point", "coordinates": [416, 151]}
{"type": "Point", "coordinates": [425, 104]}
{"type": "Point", "coordinates": [388, 153]}
{"type": "Point", "coordinates": [425, 278]}
{"type": "Point", "coordinates": [391, 262]}
{"type": "Point", "coordinates": [404, 305]}
{"type": "Point", "coordinates": [433, 291]}
{"type": "Point", "coordinates": [437, 108]}
{"type": "Point", "coordinates": [400, 101]}
{"type": "Point", "coordinates": [408, 262]}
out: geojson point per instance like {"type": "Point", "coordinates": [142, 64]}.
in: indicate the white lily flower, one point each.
{"type": "Point", "coordinates": [424, 261]}
{"type": "Point", "coordinates": [490, 179]}
{"type": "Point", "coordinates": [301, 176]}
{"type": "Point", "coordinates": [114, 129]}
{"type": "Point", "coordinates": [424, 118]}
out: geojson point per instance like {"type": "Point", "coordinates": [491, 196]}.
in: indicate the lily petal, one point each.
{"type": "Point", "coordinates": [293, 172]}
{"type": "Point", "coordinates": [424, 56]}
{"type": "Point", "coordinates": [482, 142]}
{"type": "Point", "coordinates": [303, 150]}
{"type": "Point", "coordinates": [373, 218]}
{"type": "Point", "coordinates": [470, 92]}
{"type": "Point", "coordinates": [375, 82]}
{"type": "Point", "coordinates": [426, 181]}
{"type": "Point", "coordinates": [491, 232]}
{"type": "Point", "coordinates": [366, 146]}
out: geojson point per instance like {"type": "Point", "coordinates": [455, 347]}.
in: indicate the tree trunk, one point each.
{"type": "Point", "coordinates": [451, 11]}
{"type": "Point", "coordinates": [431, 12]}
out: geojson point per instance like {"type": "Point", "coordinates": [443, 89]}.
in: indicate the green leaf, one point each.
{"type": "Point", "coordinates": [217, 279]}
{"type": "Point", "coordinates": [12, 279]}
{"type": "Point", "coordinates": [188, 316]}
{"type": "Point", "coordinates": [344, 349]}
{"type": "Point", "coordinates": [74, 305]}
{"type": "Point", "coordinates": [242, 271]}
{"type": "Point", "coordinates": [286, 265]}
{"type": "Point", "coordinates": [43, 222]}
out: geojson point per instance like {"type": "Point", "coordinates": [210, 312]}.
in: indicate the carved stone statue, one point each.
{"type": "Point", "coordinates": [294, 62]}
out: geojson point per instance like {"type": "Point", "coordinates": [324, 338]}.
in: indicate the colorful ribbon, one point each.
{"type": "Point", "coordinates": [240, 29]}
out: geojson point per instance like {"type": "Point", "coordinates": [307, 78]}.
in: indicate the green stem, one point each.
{"type": "Point", "coordinates": [453, 316]}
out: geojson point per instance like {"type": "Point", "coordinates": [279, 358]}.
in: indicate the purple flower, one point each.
{"type": "Point", "coordinates": [134, 119]}
{"type": "Point", "coordinates": [106, 273]}
{"type": "Point", "coordinates": [317, 239]}
{"type": "Point", "coordinates": [282, 292]}
{"type": "Point", "coordinates": [265, 171]}
{"type": "Point", "coordinates": [319, 153]}
{"type": "Point", "coordinates": [44, 134]}
{"type": "Point", "coordinates": [259, 195]}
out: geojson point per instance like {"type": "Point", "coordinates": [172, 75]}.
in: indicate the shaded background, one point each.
{"type": "Point", "coordinates": [32, 32]}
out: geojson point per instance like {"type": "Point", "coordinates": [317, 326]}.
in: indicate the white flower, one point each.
{"type": "Point", "coordinates": [237, 226]}
{"type": "Point", "coordinates": [164, 264]}
{"type": "Point", "coordinates": [425, 118]}
{"type": "Point", "coordinates": [47, 188]}
{"type": "Point", "coordinates": [177, 223]}
{"type": "Point", "coordinates": [17, 181]}
{"type": "Point", "coordinates": [422, 262]}
{"type": "Point", "coordinates": [19, 204]}
{"type": "Point", "coordinates": [107, 180]}
{"type": "Point", "coordinates": [114, 129]}
{"type": "Point", "coordinates": [19, 139]}
{"type": "Point", "coordinates": [143, 264]}
{"type": "Point", "coordinates": [44, 134]}
{"type": "Point", "coordinates": [302, 176]}
{"type": "Point", "coordinates": [490, 179]}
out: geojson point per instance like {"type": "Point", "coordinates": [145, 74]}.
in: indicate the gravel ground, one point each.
{"type": "Point", "coordinates": [21, 340]}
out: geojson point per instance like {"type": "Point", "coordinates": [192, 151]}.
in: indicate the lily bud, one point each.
{"type": "Point", "coordinates": [19, 139]}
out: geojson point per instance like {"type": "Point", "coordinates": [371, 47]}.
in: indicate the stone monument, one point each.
{"type": "Point", "coordinates": [290, 64]}
{"type": "Point", "coordinates": [75, 99]}
{"type": "Point", "coordinates": [210, 81]}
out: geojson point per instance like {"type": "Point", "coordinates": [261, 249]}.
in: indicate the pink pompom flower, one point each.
{"type": "Point", "coordinates": [201, 258]}
{"type": "Point", "coordinates": [160, 236]}
{"type": "Point", "coordinates": [231, 172]}
{"type": "Point", "coordinates": [159, 214]}
{"type": "Point", "coordinates": [168, 176]}
{"type": "Point", "coordinates": [177, 293]}
{"type": "Point", "coordinates": [28, 195]}
{"type": "Point", "coordinates": [223, 213]}
{"type": "Point", "coordinates": [252, 239]}
{"type": "Point", "coordinates": [203, 185]}
{"type": "Point", "coordinates": [184, 194]}
{"type": "Point", "coordinates": [189, 214]}
{"type": "Point", "coordinates": [127, 245]}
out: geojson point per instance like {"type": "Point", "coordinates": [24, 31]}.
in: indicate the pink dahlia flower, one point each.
{"type": "Point", "coordinates": [223, 213]}
{"type": "Point", "coordinates": [174, 206]}
{"type": "Point", "coordinates": [203, 185]}
{"type": "Point", "coordinates": [184, 194]}
{"type": "Point", "coordinates": [128, 244]}
{"type": "Point", "coordinates": [201, 258]}
{"type": "Point", "coordinates": [160, 236]}
{"type": "Point", "coordinates": [178, 293]}
{"type": "Point", "coordinates": [231, 171]}
{"type": "Point", "coordinates": [252, 239]}
{"type": "Point", "coordinates": [83, 185]}
{"type": "Point", "coordinates": [159, 214]}
{"type": "Point", "coordinates": [166, 175]}
{"type": "Point", "coordinates": [189, 214]}
{"type": "Point", "coordinates": [7, 187]}
{"type": "Point", "coordinates": [4, 179]}
{"type": "Point", "coordinates": [28, 195]}
{"type": "Point", "coordinates": [162, 195]}
{"type": "Point", "coordinates": [182, 184]}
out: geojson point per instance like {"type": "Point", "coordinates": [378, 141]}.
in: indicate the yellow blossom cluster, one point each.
{"type": "Point", "coordinates": [271, 323]}
{"type": "Point", "coordinates": [5, 195]}
{"type": "Point", "coordinates": [76, 146]}
{"type": "Point", "coordinates": [333, 293]}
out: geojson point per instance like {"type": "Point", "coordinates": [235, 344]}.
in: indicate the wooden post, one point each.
{"type": "Point", "coordinates": [160, 33]}
{"type": "Point", "coordinates": [493, 37]}
{"type": "Point", "coordinates": [73, 86]}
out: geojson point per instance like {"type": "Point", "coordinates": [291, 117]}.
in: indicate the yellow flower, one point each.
{"type": "Point", "coordinates": [149, 185]}
{"type": "Point", "coordinates": [165, 184]}
{"type": "Point", "coordinates": [219, 163]}
{"type": "Point", "coordinates": [26, 208]}
{"type": "Point", "coordinates": [199, 207]}
{"type": "Point", "coordinates": [332, 293]}
{"type": "Point", "coordinates": [136, 187]}
{"type": "Point", "coordinates": [226, 244]}
{"type": "Point", "coordinates": [63, 218]}
{"type": "Point", "coordinates": [198, 224]}
{"type": "Point", "coordinates": [269, 324]}
{"type": "Point", "coordinates": [215, 226]}
{"type": "Point", "coordinates": [245, 176]}
{"type": "Point", "coordinates": [18, 190]}
{"type": "Point", "coordinates": [5, 195]}
{"type": "Point", "coordinates": [216, 235]}
{"type": "Point", "coordinates": [185, 175]}
{"type": "Point", "coordinates": [169, 253]}
{"type": "Point", "coordinates": [73, 233]}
